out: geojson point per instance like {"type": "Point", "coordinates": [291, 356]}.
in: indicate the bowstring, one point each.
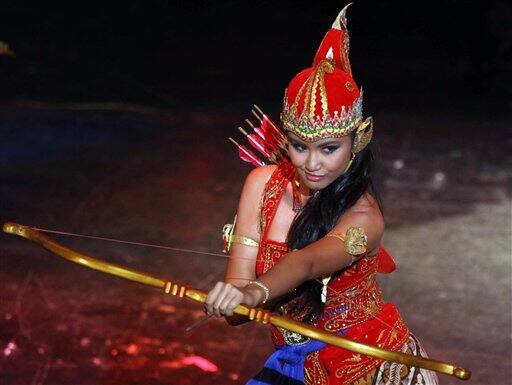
{"type": "Point", "coordinates": [135, 243]}
{"type": "Point", "coordinates": [184, 250]}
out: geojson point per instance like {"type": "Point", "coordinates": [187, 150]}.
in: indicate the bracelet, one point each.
{"type": "Point", "coordinates": [265, 290]}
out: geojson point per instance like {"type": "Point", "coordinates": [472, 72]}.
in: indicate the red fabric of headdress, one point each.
{"type": "Point", "coordinates": [325, 89]}
{"type": "Point", "coordinates": [341, 90]}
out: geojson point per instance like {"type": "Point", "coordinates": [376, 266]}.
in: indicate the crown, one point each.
{"type": "Point", "coordinates": [312, 128]}
{"type": "Point", "coordinates": [324, 100]}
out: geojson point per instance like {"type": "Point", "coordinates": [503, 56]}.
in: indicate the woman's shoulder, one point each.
{"type": "Point", "coordinates": [256, 180]}
{"type": "Point", "coordinates": [367, 215]}
{"type": "Point", "coordinates": [367, 203]}
{"type": "Point", "coordinates": [367, 208]}
{"type": "Point", "coordinates": [260, 175]}
{"type": "Point", "coordinates": [252, 192]}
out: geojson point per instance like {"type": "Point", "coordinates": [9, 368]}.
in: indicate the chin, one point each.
{"type": "Point", "coordinates": [317, 185]}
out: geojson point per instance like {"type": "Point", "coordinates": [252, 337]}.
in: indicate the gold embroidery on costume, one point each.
{"type": "Point", "coordinates": [379, 338]}
{"type": "Point", "coordinates": [314, 373]}
{"type": "Point", "coordinates": [354, 358]}
{"type": "Point", "coordinates": [271, 254]}
{"type": "Point", "coordinates": [269, 201]}
{"type": "Point", "coordinates": [393, 335]}
{"type": "Point", "coordinates": [351, 371]}
{"type": "Point", "coordinates": [355, 305]}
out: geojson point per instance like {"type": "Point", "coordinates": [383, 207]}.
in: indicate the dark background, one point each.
{"type": "Point", "coordinates": [431, 55]}
{"type": "Point", "coordinates": [113, 123]}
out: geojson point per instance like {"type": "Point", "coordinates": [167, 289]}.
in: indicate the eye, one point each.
{"type": "Point", "coordinates": [330, 149]}
{"type": "Point", "coordinates": [298, 147]}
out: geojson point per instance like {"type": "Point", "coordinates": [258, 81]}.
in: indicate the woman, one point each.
{"type": "Point", "coordinates": [312, 247]}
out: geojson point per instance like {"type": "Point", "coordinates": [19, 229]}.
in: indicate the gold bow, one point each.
{"type": "Point", "coordinates": [255, 314]}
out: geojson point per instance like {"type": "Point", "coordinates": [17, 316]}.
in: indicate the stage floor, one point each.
{"type": "Point", "coordinates": [169, 177]}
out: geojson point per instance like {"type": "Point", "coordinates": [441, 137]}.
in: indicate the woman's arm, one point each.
{"type": "Point", "coordinates": [241, 265]}
{"type": "Point", "coordinates": [323, 257]}
{"type": "Point", "coordinates": [318, 259]}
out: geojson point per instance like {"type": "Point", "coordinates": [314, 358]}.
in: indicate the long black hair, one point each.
{"type": "Point", "coordinates": [321, 213]}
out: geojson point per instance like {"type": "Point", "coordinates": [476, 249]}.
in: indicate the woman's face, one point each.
{"type": "Point", "coordinates": [319, 163]}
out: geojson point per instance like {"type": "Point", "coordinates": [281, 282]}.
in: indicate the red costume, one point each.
{"type": "Point", "coordinates": [354, 303]}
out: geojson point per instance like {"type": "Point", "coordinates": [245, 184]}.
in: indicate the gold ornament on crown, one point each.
{"type": "Point", "coordinates": [310, 127]}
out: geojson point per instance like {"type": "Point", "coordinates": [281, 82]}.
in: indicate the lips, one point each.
{"type": "Point", "coordinates": [313, 177]}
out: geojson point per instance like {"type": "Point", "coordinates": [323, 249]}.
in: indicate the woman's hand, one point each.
{"type": "Point", "coordinates": [224, 297]}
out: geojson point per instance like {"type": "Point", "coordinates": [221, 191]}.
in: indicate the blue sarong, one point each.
{"type": "Point", "coordinates": [286, 365]}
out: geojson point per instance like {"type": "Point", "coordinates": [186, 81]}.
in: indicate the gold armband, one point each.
{"type": "Point", "coordinates": [229, 238]}
{"type": "Point", "coordinates": [355, 241]}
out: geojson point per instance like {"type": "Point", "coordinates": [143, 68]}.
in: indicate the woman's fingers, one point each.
{"type": "Point", "coordinates": [222, 299]}
{"type": "Point", "coordinates": [225, 292]}
{"type": "Point", "coordinates": [232, 300]}
{"type": "Point", "coordinates": [212, 297]}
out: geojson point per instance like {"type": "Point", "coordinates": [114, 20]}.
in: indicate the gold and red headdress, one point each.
{"type": "Point", "coordinates": [321, 101]}
{"type": "Point", "coordinates": [324, 100]}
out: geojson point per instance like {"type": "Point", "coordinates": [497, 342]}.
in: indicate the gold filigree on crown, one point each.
{"type": "Point", "coordinates": [312, 128]}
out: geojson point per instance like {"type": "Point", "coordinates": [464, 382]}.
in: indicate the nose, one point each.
{"type": "Point", "coordinates": [312, 162]}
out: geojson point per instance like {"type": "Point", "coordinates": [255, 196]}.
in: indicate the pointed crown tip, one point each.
{"type": "Point", "coordinates": [341, 20]}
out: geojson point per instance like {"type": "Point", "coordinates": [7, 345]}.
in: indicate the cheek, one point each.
{"type": "Point", "coordinates": [337, 162]}
{"type": "Point", "coordinates": [297, 158]}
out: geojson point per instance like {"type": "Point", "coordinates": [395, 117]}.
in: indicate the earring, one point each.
{"type": "Point", "coordinates": [349, 163]}
{"type": "Point", "coordinates": [364, 133]}
{"type": "Point", "coordinates": [297, 200]}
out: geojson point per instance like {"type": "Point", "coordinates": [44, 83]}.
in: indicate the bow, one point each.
{"type": "Point", "coordinates": [255, 314]}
